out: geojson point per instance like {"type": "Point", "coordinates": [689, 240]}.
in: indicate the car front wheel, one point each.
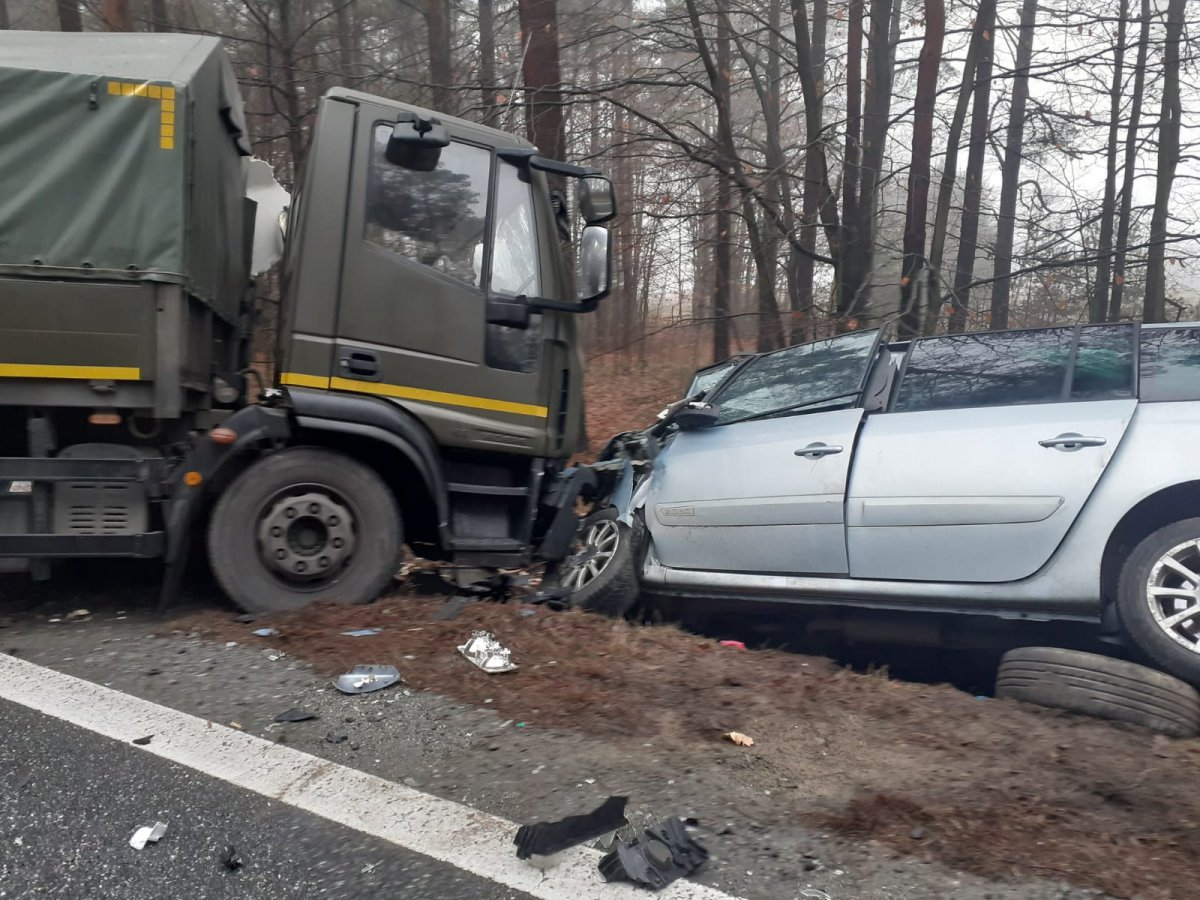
{"type": "Point", "coordinates": [600, 574]}
{"type": "Point", "coordinates": [1158, 598]}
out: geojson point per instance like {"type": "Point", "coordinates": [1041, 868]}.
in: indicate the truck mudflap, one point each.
{"type": "Point", "coordinates": [248, 428]}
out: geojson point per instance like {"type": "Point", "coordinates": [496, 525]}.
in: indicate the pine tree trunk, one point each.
{"type": "Point", "coordinates": [542, 75]}
{"type": "Point", "coordinates": [69, 16]}
{"type": "Point", "coordinates": [441, 76]}
{"type": "Point", "coordinates": [487, 60]}
{"type": "Point", "coordinates": [116, 15]}
{"type": "Point", "coordinates": [1098, 308]}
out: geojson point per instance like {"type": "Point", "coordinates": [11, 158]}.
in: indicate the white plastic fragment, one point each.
{"type": "Point", "coordinates": [147, 834]}
{"type": "Point", "coordinates": [487, 653]}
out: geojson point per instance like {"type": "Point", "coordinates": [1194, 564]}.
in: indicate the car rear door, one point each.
{"type": "Point", "coordinates": [991, 448]}
{"type": "Point", "coordinates": [766, 494]}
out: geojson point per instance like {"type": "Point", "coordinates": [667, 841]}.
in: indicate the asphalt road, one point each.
{"type": "Point", "coordinates": [70, 800]}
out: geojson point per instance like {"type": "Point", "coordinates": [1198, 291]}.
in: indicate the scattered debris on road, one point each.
{"type": "Point", "coordinates": [742, 740]}
{"type": "Point", "coordinates": [147, 834]}
{"type": "Point", "coordinates": [364, 679]}
{"type": "Point", "coordinates": [332, 738]}
{"type": "Point", "coordinates": [295, 714]}
{"type": "Point", "coordinates": [362, 632]}
{"type": "Point", "coordinates": [660, 855]}
{"type": "Point", "coordinates": [231, 859]}
{"type": "Point", "coordinates": [735, 645]}
{"type": "Point", "coordinates": [547, 838]}
{"type": "Point", "coordinates": [143, 741]}
{"type": "Point", "coordinates": [76, 614]}
{"type": "Point", "coordinates": [266, 632]}
{"type": "Point", "coordinates": [487, 653]}
{"type": "Point", "coordinates": [274, 655]}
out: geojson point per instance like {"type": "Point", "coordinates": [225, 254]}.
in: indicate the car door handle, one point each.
{"type": "Point", "coordinates": [360, 363]}
{"type": "Point", "coordinates": [817, 450]}
{"type": "Point", "coordinates": [1070, 442]}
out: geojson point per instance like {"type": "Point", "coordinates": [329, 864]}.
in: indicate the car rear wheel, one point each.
{"type": "Point", "coordinates": [1099, 686]}
{"type": "Point", "coordinates": [302, 525]}
{"type": "Point", "coordinates": [1158, 598]}
{"type": "Point", "coordinates": [600, 574]}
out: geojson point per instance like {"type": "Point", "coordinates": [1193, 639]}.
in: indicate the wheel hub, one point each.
{"type": "Point", "coordinates": [593, 552]}
{"type": "Point", "coordinates": [1173, 594]}
{"type": "Point", "coordinates": [306, 537]}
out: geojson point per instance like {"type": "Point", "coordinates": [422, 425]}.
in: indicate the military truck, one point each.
{"type": "Point", "coordinates": [428, 381]}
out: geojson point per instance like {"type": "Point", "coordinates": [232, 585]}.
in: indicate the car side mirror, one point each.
{"type": "Point", "coordinates": [594, 272]}
{"type": "Point", "coordinates": [696, 415]}
{"type": "Point", "coordinates": [416, 142]}
{"type": "Point", "coordinates": [597, 199]}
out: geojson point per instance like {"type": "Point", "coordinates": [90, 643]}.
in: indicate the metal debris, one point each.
{"type": "Point", "coordinates": [364, 679]}
{"type": "Point", "coordinates": [147, 834]}
{"type": "Point", "coordinates": [362, 632]}
{"type": "Point", "coordinates": [487, 653]}
{"type": "Point", "coordinates": [295, 714]}
{"type": "Point", "coordinates": [547, 838]}
{"type": "Point", "coordinates": [742, 740]}
{"type": "Point", "coordinates": [658, 856]}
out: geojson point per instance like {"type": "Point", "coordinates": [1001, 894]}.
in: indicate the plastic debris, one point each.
{"type": "Point", "coordinates": [266, 632]}
{"type": "Point", "coordinates": [229, 645]}
{"type": "Point", "coordinates": [547, 838]}
{"type": "Point", "coordinates": [143, 741]}
{"type": "Point", "coordinates": [147, 834]}
{"type": "Point", "coordinates": [364, 679]}
{"type": "Point", "coordinates": [77, 614]}
{"type": "Point", "coordinates": [736, 645]}
{"type": "Point", "coordinates": [814, 894]}
{"type": "Point", "coordinates": [742, 740]}
{"type": "Point", "coordinates": [362, 632]}
{"type": "Point", "coordinates": [487, 653]}
{"type": "Point", "coordinates": [332, 738]}
{"type": "Point", "coordinates": [274, 655]}
{"type": "Point", "coordinates": [659, 855]}
{"type": "Point", "coordinates": [295, 714]}
{"type": "Point", "coordinates": [231, 859]}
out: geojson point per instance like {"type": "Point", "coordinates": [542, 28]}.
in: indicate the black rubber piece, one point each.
{"type": "Point", "coordinates": [1134, 614]}
{"type": "Point", "coordinates": [233, 540]}
{"type": "Point", "coordinates": [655, 858]}
{"type": "Point", "coordinates": [295, 714]}
{"type": "Point", "coordinates": [614, 592]}
{"type": "Point", "coordinates": [545, 838]}
{"type": "Point", "coordinates": [1100, 686]}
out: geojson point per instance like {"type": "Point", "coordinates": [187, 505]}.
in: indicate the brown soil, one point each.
{"type": "Point", "coordinates": [989, 786]}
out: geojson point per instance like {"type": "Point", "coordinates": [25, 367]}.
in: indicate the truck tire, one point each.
{"type": "Point", "coordinates": [302, 525]}
{"type": "Point", "coordinates": [1099, 686]}
{"type": "Point", "coordinates": [1158, 605]}
{"type": "Point", "coordinates": [601, 573]}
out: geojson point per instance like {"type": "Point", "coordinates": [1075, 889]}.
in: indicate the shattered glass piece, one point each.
{"type": "Point", "coordinates": [364, 679]}
{"type": "Point", "coordinates": [362, 632]}
{"type": "Point", "coordinates": [660, 855]}
{"type": "Point", "coordinates": [547, 838]}
{"type": "Point", "coordinates": [487, 653]}
{"type": "Point", "coordinates": [147, 834]}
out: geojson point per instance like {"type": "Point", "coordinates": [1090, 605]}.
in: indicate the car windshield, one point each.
{"type": "Point", "coordinates": [709, 378]}
{"type": "Point", "coordinates": [799, 379]}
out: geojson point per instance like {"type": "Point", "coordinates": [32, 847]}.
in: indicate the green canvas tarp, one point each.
{"type": "Point", "coordinates": [120, 158]}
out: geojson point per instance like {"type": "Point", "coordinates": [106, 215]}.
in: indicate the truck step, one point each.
{"type": "Point", "coordinates": [141, 546]}
{"type": "Point", "coordinates": [32, 468]}
{"type": "Point", "coordinates": [490, 490]}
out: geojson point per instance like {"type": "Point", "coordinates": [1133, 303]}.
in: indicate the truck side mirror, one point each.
{"type": "Point", "coordinates": [416, 142]}
{"type": "Point", "coordinates": [513, 312]}
{"type": "Point", "coordinates": [594, 273]}
{"type": "Point", "coordinates": [597, 199]}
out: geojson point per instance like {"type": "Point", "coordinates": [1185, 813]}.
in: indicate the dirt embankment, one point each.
{"type": "Point", "coordinates": [983, 785]}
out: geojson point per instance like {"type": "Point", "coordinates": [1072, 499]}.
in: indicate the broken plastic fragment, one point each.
{"type": "Point", "coordinates": [266, 632]}
{"type": "Point", "coordinates": [143, 741]}
{"type": "Point", "coordinates": [273, 655]}
{"type": "Point", "coordinates": [295, 714]}
{"type": "Point", "coordinates": [78, 614]}
{"type": "Point", "coordinates": [546, 838]}
{"type": "Point", "coordinates": [362, 632]}
{"type": "Point", "coordinates": [147, 834]}
{"type": "Point", "coordinates": [364, 679]}
{"type": "Point", "coordinates": [231, 859]}
{"type": "Point", "coordinates": [742, 740]}
{"type": "Point", "coordinates": [487, 653]}
{"type": "Point", "coordinates": [655, 858]}
{"type": "Point", "coordinates": [735, 645]}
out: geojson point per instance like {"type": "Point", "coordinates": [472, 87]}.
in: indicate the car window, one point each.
{"type": "Point", "coordinates": [798, 379]}
{"type": "Point", "coordinates": [434, 218]}
{"type": "Point", "coordinates": [1170, 364]}
{"type": "Point", "coordinates": [1104, 363]}
{"type": "Point", "coordinates": [707, 379]}
{"type": "Point", "coordinates": [999, 369]}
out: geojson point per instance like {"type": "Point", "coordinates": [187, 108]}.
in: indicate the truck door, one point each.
{"type": "Point", "coordinates": [993, 445]}
{"type": "Point", "coordinates": [411, 320]}
{"type": "Point", "coordinates": [763, 489]}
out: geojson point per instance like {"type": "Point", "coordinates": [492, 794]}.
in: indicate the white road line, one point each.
{"type": "Point", "coordinates": [466, 838]}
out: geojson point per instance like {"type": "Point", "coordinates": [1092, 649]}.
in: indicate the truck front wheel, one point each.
{"type": "Point", "coordinates": [302, 525]}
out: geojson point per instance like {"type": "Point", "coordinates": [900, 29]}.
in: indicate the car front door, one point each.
{"type": "Point", "coordinates": [763, 489]}
{"type": "Point", "coordinates": [993, 445]}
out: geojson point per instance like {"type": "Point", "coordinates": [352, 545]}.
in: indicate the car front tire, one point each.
{"type": "Point", "coordinates": [600, 575]}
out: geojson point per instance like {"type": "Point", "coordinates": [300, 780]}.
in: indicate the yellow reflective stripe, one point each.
{"type": "Point", "coordinates": [300, 380]}
{"type": "Point", "coordinates": [92, 373]}
{"type": "Point", "coordinates": [440, 397]}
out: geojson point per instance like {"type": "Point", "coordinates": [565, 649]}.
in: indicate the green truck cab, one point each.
{"type": "Point", "coordinates": [428, 376]}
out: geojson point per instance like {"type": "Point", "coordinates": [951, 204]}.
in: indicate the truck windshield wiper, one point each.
{"type": "Point", "coordinates": [795, 407]}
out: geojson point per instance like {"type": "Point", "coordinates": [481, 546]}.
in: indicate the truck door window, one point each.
{"type": "Point", "coordinates": [1001, 369]}
{"type": "Point", "coordinates": [821, 375]}
{"type": "Point", "coordinates": [1170, 364]}
{"type": "Point", "coordinates": [516, 271]}
{"type": "Point", "coordinates": [433, 218]}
